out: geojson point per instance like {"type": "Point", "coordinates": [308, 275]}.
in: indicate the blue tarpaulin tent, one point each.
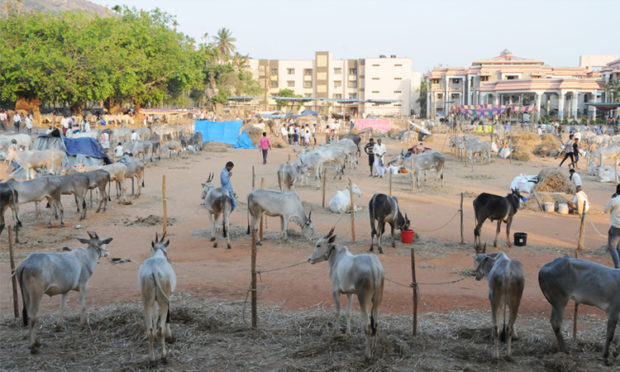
{"type": "Point", "coordinates": [224, 131]}
{"type": "Point", "coordinates": [308, 112]}
{"type": "Point", "coordinates": [84, 145]}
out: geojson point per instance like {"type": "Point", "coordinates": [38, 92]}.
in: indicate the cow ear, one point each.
{"type": "Point", "coordinates": [167, 243]}
{"type": "Point", "coordinates": [106, 241]}
{"type": "Point", "coordinates": [84, 241]}
{"type": "Point", "coordinates": [152, 244]}
{"type": "Point", "coordinates": [332, 238]}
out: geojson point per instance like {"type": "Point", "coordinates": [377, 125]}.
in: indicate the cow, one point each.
{"type": "Point", "coordinates": [341, 202]}
{"type": "Point", "coordinates": [57, 273]}
{"type": "Point", "coordinates": [29, 160]}
{"type": "Point", "coordinates": [117, 172]}
{"type": "Point", "coordinates": [287, 176]}
{"type": "Point", "coordinates": [350, 274]}
{"type": "Point", "coordinates": [157, 280]}
{"type": "Point", "coordinates": [144, 148]}
{"type": "Point", "coordinates": [75, 184]}
{"type": "Point", "coordinates": [383, 208]}
{"type": "Point", "coordinates": [287, 206]}
{"type": "Point", "coordinates": [422, 162]}
{"type": "Point", "coordinates": [196, 141]}
{"type": "Point", "coordinates": [135, 169]}
{"type": "Point", "coordinates": [495, 208]}
{"type": "Point", "coordinates": [218, 202]}
{"type": "Point", "coordinates": [355, 138]}
{"type": "Point", "coordinates": [98, 179]}
{"type": "Point", "coordinates": [506, 282]}
{"type": "Point", "coordinates": [584, 282]}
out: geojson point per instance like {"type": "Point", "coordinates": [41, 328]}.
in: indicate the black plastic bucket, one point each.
{"type": "Point", "coordinates": [520, 239]}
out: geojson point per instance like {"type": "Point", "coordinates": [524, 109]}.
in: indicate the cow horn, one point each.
{"type": "Point", "coordinates": [92, 234]}
{"type": "Point", "coordinates": [329, 234]}
{"type": "Point", "coordinates": [156, 238]}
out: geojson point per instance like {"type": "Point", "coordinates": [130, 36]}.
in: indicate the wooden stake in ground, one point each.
{"type": "Point", "coordinates": [323, 180]}
{"type": "Point", "coordinates": [579, 248]}
{"type": "Point", "coordinates": [253, 178]}
{"type": "Point", "coordinates": [390, 182]}
{"type": "Point", "coordinates": [352, 210]}
{"type": "Point", "coordinates": [262, 217]}
{"type": "Point", "coordinates": [412, 175]}
{"type": "Point", "coordinates": [163, 198]}
{"type": "Point", "coordinates": [253, 285]}
{"type": "Point", "coordinates": [13, 279]}
{"type": "Point", "coordinates": [461, 212]}
{"type": "Point", "coordinates": [414, 284]}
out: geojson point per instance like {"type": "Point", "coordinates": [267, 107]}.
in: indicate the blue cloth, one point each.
{"type": "Point", "coordinates": [84, 145]}
{"type": "Point", "coordinates": [308, 112]}
{"type": "Point", "coordinates": [224, 131]}
{"type": "Point", "coordinates": [225, 181]}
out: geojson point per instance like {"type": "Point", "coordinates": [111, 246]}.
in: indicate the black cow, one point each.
{"type": "Point", "coordinates": [384, 209]}
{"type": "Point", "coordinates": [196, 141]}
{"type": "Point", "coordinates": [495, 208]}
{"type": "Point", "coordinates": [355, 138]}
{"type": "Point", "coordinates": [8, 198]}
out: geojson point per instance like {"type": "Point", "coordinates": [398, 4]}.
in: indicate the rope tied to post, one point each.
{"type": "Point", "coordinates": [444, 225]}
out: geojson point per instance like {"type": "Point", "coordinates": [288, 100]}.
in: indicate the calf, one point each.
{"type": "Point", "coordinates": [350, 274]}
{"type": "Point", "coordinates": [584, 282]}
{"type": "Point", "coordinates": [218, 202]}
{"type": "Point", "coordinates": [495, 208]}
{"type": "Point", "coordinates": [57, 273]}
{"type": "Point", "coordinates": [428, 160]}
{"type": "Point", "coordinates": [341, 202]}
{"type": "Point", "coordinates": [506, 283]}
{"type": "Point", "coordinates": [157, 280]}
{"type": "Point", "coordinates": [383, 208]}
{"type": "Point", "coordinates": [287, 206]}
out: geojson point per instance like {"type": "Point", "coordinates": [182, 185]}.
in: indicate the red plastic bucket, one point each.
{"type": "Point", "coordinates": [406, 236]}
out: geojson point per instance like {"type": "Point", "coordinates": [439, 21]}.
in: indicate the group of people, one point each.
{"type": "Point", "coordinates": [571, 150]}
{"type": "Point", "coordinates": [18, 119]}
{"type": "Point", "coordinates": [376, 153]}
{"type": "Point", "coordinates": [299, 133]}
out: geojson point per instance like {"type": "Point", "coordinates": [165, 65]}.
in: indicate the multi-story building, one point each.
{"type": "Point", "coordinates": [509, 80]}
{"type": "Point", "coordinates": [372, 86]}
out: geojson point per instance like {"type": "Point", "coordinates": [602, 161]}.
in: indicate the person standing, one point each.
{"type": "Point", "coordinates": [613, 235]}
{"type": "Point", "coordinates": [328, 133]}
{"type": "Point", "coordinates": [118, 151]}
{"type": "Point", "coordinates": [134, 137]}
{"type": "Point", "coordinates": [368, 149]}
{"type": "Point", "coordinates": [28, 122]}
{"type": "Point", "coordinates": [104, 139]}
{"type": "Point", "coordinates": [575, 177]}
{"type": "Point", "coordinates": [379, 151]}
{"type": "Point", "coordinates": [265, 146]}
{"type": "Point", "coordinates": [576, 151]}
{"type": "Point", "coordinates": [4, 118]}
{"type": "Point", "coordinates": [85, 125]}
{"type": "Point", "coordinates": [580, 203]}
{"type": "Point", "coordinates": [568, 152]}
{"type": "Point", "coordinates": [225, 181]}
{"type": "Point", "coordinates": [306, 136]}
{"type": "Point", "coordinates": [17, 121]}
{"type": "Point", "coordinates": [295, 136]}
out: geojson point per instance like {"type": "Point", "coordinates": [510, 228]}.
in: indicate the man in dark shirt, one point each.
{"type": "Point", "coordinates": [368, 149]}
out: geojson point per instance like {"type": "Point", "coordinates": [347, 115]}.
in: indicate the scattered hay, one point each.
{"type": "Point", "coordinates": [544, 197]}
{"type": "Point", "coordinates": [256, 133]}
{"type": "Point", "coordinates": [213, 146]}
{"type": "Point", "coordinates": [549, 146]}
{"type": "Point", "coordinates": [553, 180]}
{"type": "Point", "coordinates": [151, 220]}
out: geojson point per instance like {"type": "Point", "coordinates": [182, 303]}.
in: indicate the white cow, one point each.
{"type": "Point", "coordinates": [341, 202]}
{"type": "Point", "coordinates": [218, 202]}
{"type": "Point", "coordinates": [31, 159]}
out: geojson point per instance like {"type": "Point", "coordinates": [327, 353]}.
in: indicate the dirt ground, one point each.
{"type": "Point", "coordinates": [218, 273]}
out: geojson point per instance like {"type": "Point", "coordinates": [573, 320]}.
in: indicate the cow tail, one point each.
{"type": "Point", "coordinates": [143, 174]}
{"type": "Point", "coordinates": [248, 214]}
{"type": "Point", "coordinates": [503, 334]}
{"type": "Point", "coordinates": [20, 279]}
{"type": "Point", "coordinates": [14, 205]}
{"type": "Point", "coordinates": [109, 188]}
{"type": "Point", "coordinates": [159, 289]}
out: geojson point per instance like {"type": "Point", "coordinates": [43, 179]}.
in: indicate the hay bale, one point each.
{"type": "Point", "coordinates": [549, 146]}
{"type": "Point", "coordinates": [213, 146]}
{"type": "Point", "coordinates": [554, 180]}
{"type": "Point", "coordinates": [523, 144]}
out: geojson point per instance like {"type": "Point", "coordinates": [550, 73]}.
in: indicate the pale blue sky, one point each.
{"type": "Point", "coordinates": [432, 32]}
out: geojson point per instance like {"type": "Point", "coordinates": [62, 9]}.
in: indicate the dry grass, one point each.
{"type": "Point", "coordinates": [213, 146]}
{"type": "Point", "coordinates": [554, 180]}
{"type": "Point", "coordinates": [549, 146]}
{"type": "Point", "coordinates": [213, 335]}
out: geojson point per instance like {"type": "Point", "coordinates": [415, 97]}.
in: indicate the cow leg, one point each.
{"type": "Point", "coordinates": [611, 328]}
{"type": "Point", "coordinates": [91, 200]}
{"type": "Point", "coordinates": [148, 323]}
{"type": "Point", "coordinates": [508, 232]}
{"type": "Point", "coordinates": [557, 313]}
{"type": "Point", "coordinates": [226, 226]}
{"type": "Point", "coordinates": [495, 306]}
{"type": "Point", "coordinates": [373, 233]}
{"type": "Point", "coordinates": [336, 296]}
{"type": "Point", "coordinates": [82, 289]}
{"type": "Point", "coordinates": [132, 187]}
{"type": "Point", "coordinates": [60, 210]}
{"type": "Point", "coordinates": [37, 211]}
{"type": "Point", "coordinates": [33, 309]}
{"type": "Point", "coordinates": [515, 300]}
{"type": "Point", "coordinates": [284, 230]}
{"type": "Point", "coordinates": [63, 297]}
{"type": "Point", "coordinates": [381, 226]}
{"type": "Point", "coordinates": [163, 311]}
{"type": "Point", "coordinates": [213, 221]}
{"type": "Point", "coordinates": [348, 313]}
{"type": "Point", "coordinates": [392, 231]}
{"type": "Point", "coordinates": [364, 299]}
{"type": "Point", "coordinates": [499, 226]}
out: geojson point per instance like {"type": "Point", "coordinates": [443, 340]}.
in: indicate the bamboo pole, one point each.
{"type": "Point", "coordinates": [262, 217]}
{"type": "Point", "coordinates": [253, 178]}
{"type": "Point", "coordinates": [414, 284]}
{"type": "Point", "coordinates": [579, 248]}
{"type": "Point", "coordinates": [253, 289]}
{"type": "Point", "coordinates": [461, 212]}
{"type": "Point", "coordinates": [323, 180]}
{"type": "Point", "coordinates": [165, 202]}
{"type": "Point", "coordinates": [13, 279]}
{"type": "Point", "coordinates": [352, 210]}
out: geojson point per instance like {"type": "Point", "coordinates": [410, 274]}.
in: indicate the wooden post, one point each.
{"type": "Point", "coordinates": [352, 210]}
{"type": "Point", "coordinates": [579, 248]}
{"type": "Point", "coordinates": [461, 211]}
{"type": "Point", "coordinates": [414, 284]}
{"type": "Point", "coordinates": [390, 181]}
{"type": "Point", "coordinates": [289, 159]}
{"type": "Point", "coordinates": [412, 174]}
{"type": "Point", "coordinates": [253, 286]}
{"type": "Point", "coordinates": [13, 279]}
{"type": "Point", "coordinates": [253, 178]}
{"type": "Point", "coordinates": [262, 217]}
{"type": "Point", "coordinates": [323, 180]}
{"type": "Point", "coordinates": [163, 198]}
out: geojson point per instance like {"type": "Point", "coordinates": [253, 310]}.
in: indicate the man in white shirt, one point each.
{"type": "Point", "coordinates": [134, 136]}
{"type": "Point", "coordinates": [613, 236]}
{"type": "Point", "coordinates": [379, 151]}
{"type": "Point", "coordinates": [575, 177]}
{"type": "Point", "coordinates": [580, 203]}
{"type": "Point", "coordinates": [118, 151]}
{"type": "Point", "coordinates": [28, 122]}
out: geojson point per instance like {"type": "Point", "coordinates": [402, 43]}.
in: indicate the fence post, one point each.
{"type": "Point", "coordinates": [461, 210]}
{"type": "Point", "coordinates": [165, 202]}
{"type": "Point", "coordinates": [414, 284]}
{"type": "Point", "coordinates": [262, 216]}
{"type": "Point", "coordinates": [323, 180]}
{"type": "Point", "coordinates": [579, 248]}
{"type": "Point", "coordinates": [253, 178]}
{"type": "Point", "coordinates": [352, 210]}
{"type": "Point", "coordinates": [13, 279]}
{"type": "Point", "coordinates": [253, 289]}
{"type": "Point", "coordinates": [390, 180]}
{"type": "Point", "coordinates": [412, 174]}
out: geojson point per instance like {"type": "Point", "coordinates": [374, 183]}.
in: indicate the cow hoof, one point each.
{"type": "Point", "coordinates": [214, 245]}
{"type": "Point", "coordinates": [607, 362]}
{"type": "Point", "coordinates": [380, 250]}
{"type": "Point", "coordinates": [393, 245]}
{"type": "Point", "coordinates": [34, 350]}
{"type": "Point", "coordinates": [371, 249]}
{"type": "Point", "coordinates": [228, 245]}
{"type": "Point", "coordinates": [508, 358]}
{"type": "Point", "coordinates": [259, 243]}
{"type": "Point", "coordinates": [213, 239]}
{"type": "Point", "coordinates": [58, 328]}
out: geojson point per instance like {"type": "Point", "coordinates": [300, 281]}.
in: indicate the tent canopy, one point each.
{"type": "Point", "coordinates": [224, 131]}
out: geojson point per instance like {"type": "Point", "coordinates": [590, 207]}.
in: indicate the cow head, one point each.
{"type": "Point", "coordinates": [515, 199]}
{"type": "Point", "coordinates": [207, 186]}
{"type": "Point", "coordinates": [308, 228]}
{"type": "Point", "coordinates": [483, 263]}
{"type": "Point", "coordinates": [403, 223]}
{"type": "Point", "coordinates": [159, 245]}
{"type": "Point", "coordinates": [323, 248]}
{"type": "Point", "coordinates": [96, 243]}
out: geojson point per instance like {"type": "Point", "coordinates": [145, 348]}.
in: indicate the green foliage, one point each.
{"type": "Point", "coordinates": [284, 93]}
{"type": "Point", "coordinates": [422, 98]}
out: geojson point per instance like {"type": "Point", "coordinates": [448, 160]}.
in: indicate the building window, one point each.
{"type": "Point", "coordinates": [398, 91]}
{"type": "Point", "coordinates": [274, 71]}
{"type": "Point", "coordinates": [375, 92]}
{"type": "Point", "coordinates": [337, 96]}
{"type": "Point", "coordinates": [375, 65]}
{"type": "Point", "coordinates": [307, 95]}
{"type": "Point", "coordinates": [439, 95]}
{"type": "Point", "coordinates": [321, 76]}
{"type": "Point", "coordinates": [307, 71]}
{"type": "Point", "coordinates": [484, 78]}
{"type": "Point", "coordinates": [307, 84]}
{"type": "Point", "coordinates": [398, 65]}
{"type": "Point", "coordinates": [352, 84]}
{"type": "Point", "coordinates": [352, 71]}
{"type": "Point", "coordinates": [337, 71]}
{"type": "Point", "coordinates": [397, 105]}
{"type": "Point", "coordinates": [435, 81]}
{"type": "Point", "coordinates": [455, 96]}
{"type": "Point", "coordinates": [321, 88]}
{"type": "Point", "coordinates": [375, 78]}
{"type": "Point", "coordinates": [290, 83]}
{"type": "Point", "coordinates": [321, 60]}
{"type": "Point", "coordinates": [455, 81]}
{"type": "Point", "coordinates": [511, 77]}
{"type": "Point", "coordinates": [353, 95]}
{"type": "Point", "coordinates": [398, 78]}
{"type": "Point", "coordinates": [274, 84]}
{"type": "Point", "coordinates": [290, 71]}
{"type": "Point", "coordinates": [337, 83]}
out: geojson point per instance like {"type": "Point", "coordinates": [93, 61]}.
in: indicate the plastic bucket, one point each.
{"type": "Point", "coordinates": [520, 239]}
{"type": "Point", "coordinates": [406, 236]}
{"type": "Point", "coordinates": [563, 208]}
{"type": "Point", "coordinates": [549, 207]}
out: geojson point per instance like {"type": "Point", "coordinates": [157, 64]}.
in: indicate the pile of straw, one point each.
{"type": "Point", "coordinates": [554, 180]}
{"type": "Point", "coordinates": [548, 147]}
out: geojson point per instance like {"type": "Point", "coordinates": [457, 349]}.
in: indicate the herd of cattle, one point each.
{"type": "Point", "coordinates": [362, 274]}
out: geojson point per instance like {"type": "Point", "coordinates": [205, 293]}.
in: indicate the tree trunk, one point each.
{"type": "Point", "coordinates": [112, 106]}
{"type": "Point", "coordinates": [76, 108]}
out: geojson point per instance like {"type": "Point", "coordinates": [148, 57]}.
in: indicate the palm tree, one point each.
{"type": "Point", "coordinates": [175, 24]}
{"type": "Point", "coordinates": [224, 42]}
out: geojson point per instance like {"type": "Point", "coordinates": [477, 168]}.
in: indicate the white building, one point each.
{"type": "Point", "coordinates": [385, 86]}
